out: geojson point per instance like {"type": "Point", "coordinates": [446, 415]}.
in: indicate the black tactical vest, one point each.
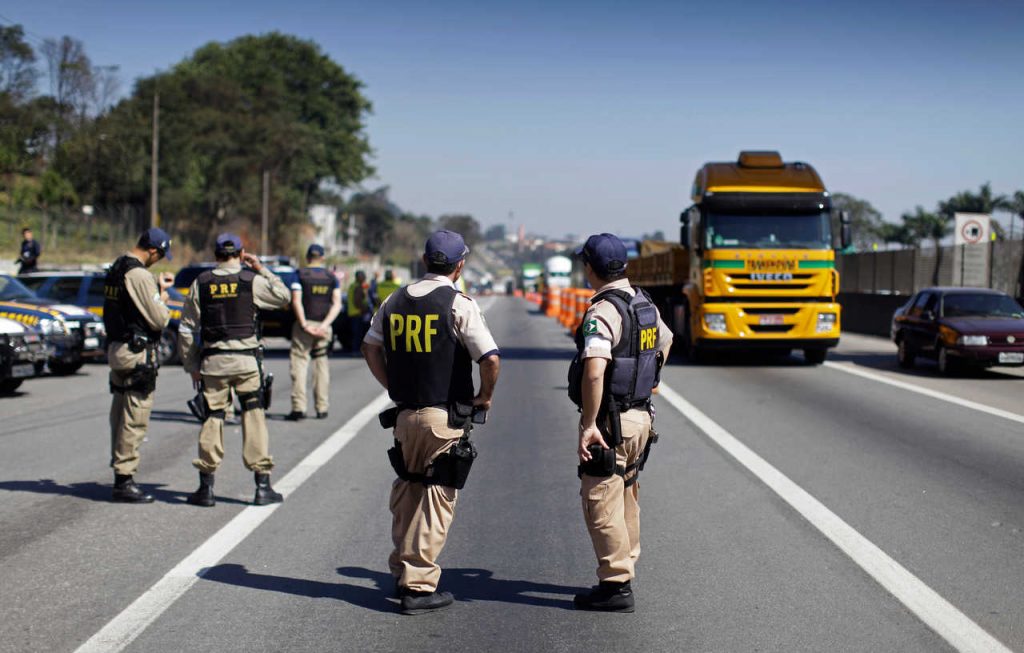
{"type": "Point", "coordinates": [121, 317]}
{"type": "Point", "coordinates": [317, 289]}
{"type": "Point", "coordinates": [427, 365]}
{"type": "Point", "coordinates": [226, 305]}
{"type": "Point", "coordinates": [635, 366]}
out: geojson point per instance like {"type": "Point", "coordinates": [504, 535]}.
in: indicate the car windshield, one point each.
{"type": "Point", "coordinates": [728, 231]}
{"type": "Point", "coordinates": [980, 305]}
{"type": "Point", "coordinates": [11, 288]}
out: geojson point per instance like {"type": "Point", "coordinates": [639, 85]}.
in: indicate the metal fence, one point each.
{"type": "Point", "coordinates": [998, 265]}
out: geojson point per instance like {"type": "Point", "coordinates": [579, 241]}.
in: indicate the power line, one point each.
{"type": "Point", "coordinates": [28, 34]}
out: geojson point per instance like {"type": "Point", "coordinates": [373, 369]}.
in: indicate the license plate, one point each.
{"type": "Point", "coordinates": [92, 342]}
{"type": "Point", "coordinates": [772, 319]}
{"type": "Point", "coordinates": [21, 371]}
{"type": "Point", "coordinates": [1011, 357]}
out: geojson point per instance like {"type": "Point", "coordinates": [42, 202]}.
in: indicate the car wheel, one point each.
{"type": "Point", "coordinates": [8, 386]}
{"type": "Point", "coordinates": [65, 369]}
{"type": "Point", "coordinates": [947, 364]}
{"type": "Point", "coordinates": [905, 355]}
{"type": "Point", "coordinates": [815, 355]}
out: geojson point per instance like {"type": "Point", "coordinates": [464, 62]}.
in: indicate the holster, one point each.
{"type": "Point", "coordinates": [451, 469]}
{"type": "Point", "coordinates": [198, 406]}
{"type": "Point", "coordinates": [459, 415]}
{"type": "Point", "coordinates": [613, 437]}
{"type": "Point", "coordinates": [389, 418]}
{"type": "Point", "coordinates": [268, 390]}
{"type": "Point", "coordinates": [601, 463]}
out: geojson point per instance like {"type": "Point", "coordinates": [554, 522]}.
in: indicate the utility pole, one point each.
{"type": "Point", "coordinates": [154, 214]}
{"type": "Point", "coordinates": [266, 212]}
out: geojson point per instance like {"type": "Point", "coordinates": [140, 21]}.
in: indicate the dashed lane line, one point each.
{"type": "Point", "coordinates": [927, 392]}
{"type": "Point", "coordinates": [936, 612]}
{"type": "Point", "coordinates": [133, 620]}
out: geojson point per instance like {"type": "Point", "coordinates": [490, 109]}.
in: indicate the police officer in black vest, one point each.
{"type": "Point", "coordinates": [620, 347]}
{"type": "Point", "coordinates": [222, 308]}
{"type": "Point", "coordinates": [421, 346]}
{"type": "Point", "coordinates": [316, 301]}
{"type": "Point", "coordinates": [134, 314]}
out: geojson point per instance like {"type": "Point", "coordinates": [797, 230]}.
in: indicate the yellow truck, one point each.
{"type": "Point", "coordinates": [755, 266]}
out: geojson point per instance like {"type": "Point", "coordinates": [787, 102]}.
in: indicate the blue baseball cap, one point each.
{"type": "Point", "coordinates": [315, 250]}
{"type": "Point", "coordinates": [228, 244]}
{"type": "Point", "coordinates": [604, 252]}
{"type": "Point", "coordinates": [158, 239]}
{"type": "Point", "coordinates": [446, 247]}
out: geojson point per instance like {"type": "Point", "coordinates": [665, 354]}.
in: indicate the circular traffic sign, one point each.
{"type": "Point", "coordinates": [972, 232]}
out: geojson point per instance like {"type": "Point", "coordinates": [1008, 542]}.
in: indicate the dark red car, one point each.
{"type": "Point", "coordinates": [960, 328]}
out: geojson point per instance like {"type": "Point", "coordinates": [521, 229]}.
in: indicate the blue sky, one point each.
{"type": "Point", "coordinates": [591, 116]}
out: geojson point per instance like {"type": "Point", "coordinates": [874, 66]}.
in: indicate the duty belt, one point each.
{"type": "Point", "coordinates": [216, 351]}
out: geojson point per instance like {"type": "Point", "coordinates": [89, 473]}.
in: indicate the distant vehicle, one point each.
{"type": "Point", "coordinates": [755, 267]}
{"type": "Point", "coordinates": [960, 328]}
{"type": "Point", "coordinates": [558, 271]}
{"type": "Point", "coordinates": [23, 354]}
{"type": "Point", "coordinates": [75, 334]}
{"type": "Point", "coordinates": [632, 248]}
{"type": "Point", "coordinates": [529, 275]}
{"type": "Point", "coordinates": [85, 289]}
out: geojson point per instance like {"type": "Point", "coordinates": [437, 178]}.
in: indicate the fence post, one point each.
{"type": "Point", "coordinates": [913, 270]}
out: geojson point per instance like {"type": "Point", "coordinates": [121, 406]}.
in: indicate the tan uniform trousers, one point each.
{"type": "Point", "coordinates": [304, 347]}
{"type": "Point", "coordinates": [611, 510]}
{"type": "Point", "coordinates": [255, 439]}
{"type": "Point", "coordinates": [129, 420]}
{"type": "Point", "coordinates": [421, 514]}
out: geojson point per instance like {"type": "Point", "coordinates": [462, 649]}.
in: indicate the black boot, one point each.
{"type": "Point", "coordinates": [264, 493]}
{"type": "Point", "coordinates": [126, 491]}
{"type": "Point", "coordinates": [295, 416]}
{"type": "Point", "coordinates": [204, 495]}
{"type": "Point", "coordinates": [419, 602]}
{"type": "Point", "coordinates": [607, 597]}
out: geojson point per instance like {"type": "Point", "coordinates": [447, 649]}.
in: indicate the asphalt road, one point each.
{"type": "Point", "coordinates": [728, 564]}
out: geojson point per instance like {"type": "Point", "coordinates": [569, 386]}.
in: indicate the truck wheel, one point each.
{"type": "Point", "coordinates": [815, 355]}
{"type": "Point", "coordinates": [905, 355]}
{"type": "Point", "coordinates": [8, 386]}
{"type": "Point", "coordinates": [65, 369]}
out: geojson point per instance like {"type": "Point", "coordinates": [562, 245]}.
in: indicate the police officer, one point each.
{"type": "Point", "coordinates": [134, 313]}
{"type": "Point", "coordinates": [316, 301]}
{"type": "Point", "coordinates": [421, 346]}
{"type": "Point", "coordinates": [221, 309]}
{"type": "Point", "coordinates": [388, 286]}
{"type": "Point", "coordinates": [621, 345]}
{"type": "Point", "coordinates": [359, 309]}
{"type": "Point", "coordinates": [28, 257]}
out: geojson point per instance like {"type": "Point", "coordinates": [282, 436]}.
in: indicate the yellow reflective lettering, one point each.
{"type": "Point", "coordinates": [429, 330]}
{"type": "Point", "coordinates": [397, 327]}
{"type": "Point", "coordinates": [412, 333]}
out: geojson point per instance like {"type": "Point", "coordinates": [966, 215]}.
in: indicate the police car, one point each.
{"type": "Point", "coordinates": [85, 290]}
{"type": "Point", "coordinates": [75, 334]}
{"type": "Point", "coordinates": [23, 354]}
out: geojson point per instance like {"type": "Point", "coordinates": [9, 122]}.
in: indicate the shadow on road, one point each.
{"type": "Point", "coordinates": [93, 491]}
{"type": "Point", "coordinates": [465, 584]}
{"type": "Point", "coordinates": [173, 416]}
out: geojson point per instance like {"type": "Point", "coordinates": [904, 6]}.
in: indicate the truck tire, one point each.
{"type": "Point", "coordinates": [65, 369]}
{"type": "Point", "coordinates": [691, 351]}
{"type": "Point", "coordinates": [815, 355]}
{"type": "Point", "coordinates": [8, 386]}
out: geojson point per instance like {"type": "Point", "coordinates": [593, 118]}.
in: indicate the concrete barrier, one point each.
{"type": "Point", "coordinates": [869, 313]}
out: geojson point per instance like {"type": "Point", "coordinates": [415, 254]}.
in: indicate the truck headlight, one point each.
{"type": "Point", "coordinates": [972, 341]}
{"type": "Point", "coordinates": [826, 322]}
{"type": "Point", "coordinates": [715, 322]}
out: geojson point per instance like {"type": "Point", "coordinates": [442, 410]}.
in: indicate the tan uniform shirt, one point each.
{"type": "Point", "coordinates": [145, 294]}
{"type": "Point", "coordinates": [470, 325]}
{"type": "Point", "coordinates": [602, 325]}
{"type": "Point", "coordinates": [268, 292]}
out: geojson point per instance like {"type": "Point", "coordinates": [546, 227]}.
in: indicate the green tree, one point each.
{"type": "Point", "coordinates": [495, 232]}
{"type": "Point", "coordinates": [866, 221]}
{"type": "Point", "coordinates": [17, 64]}
{"type": "Point", "coordinates": [228, 113]}
{"type": "Point", "coordinates": [983, 201]}
{"type": "Point", "coordinates": [463, 224]}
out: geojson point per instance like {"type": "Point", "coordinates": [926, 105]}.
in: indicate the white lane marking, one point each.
{"type": "Point", "coordinates": [939, 614]}
{"type": "Point", "coordinates": [934, 394]}
{"type": "Point", "coordinates": [133, 620]}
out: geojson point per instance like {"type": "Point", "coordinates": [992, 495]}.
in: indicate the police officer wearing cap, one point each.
{"type": "Point", "coordinates": [134, 314]}
{"type": "Point", "coordinates": [620, 347]}
{"type": "Point", "coordinates": [421, 346]}
{"type": "Point", "coordinates": [316, 301]}
{"type": "Point", "coordinates": [226, 356]}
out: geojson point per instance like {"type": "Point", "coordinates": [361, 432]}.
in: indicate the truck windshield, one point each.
{"type": "Point", "coordinates": [728, 231]}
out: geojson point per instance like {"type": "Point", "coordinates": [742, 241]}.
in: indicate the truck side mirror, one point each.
{"type": "Point", "coordinates": [845, 235]}
{"type": "Point", "coordinates": [684, 231]}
